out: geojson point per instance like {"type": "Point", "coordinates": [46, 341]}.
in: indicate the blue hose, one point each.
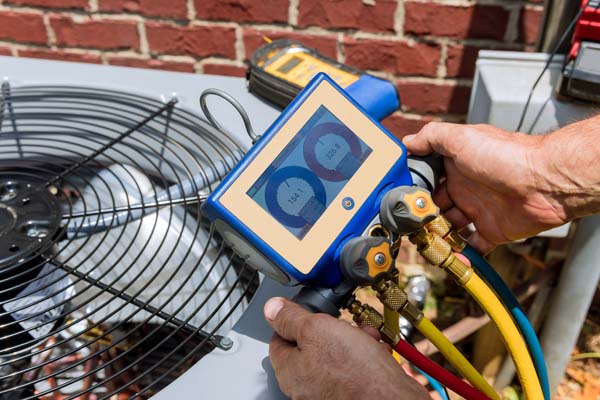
{"type": "Point", "coordinates": [435, 385]}
{"type": "Point", "coordinates": [490, 275]}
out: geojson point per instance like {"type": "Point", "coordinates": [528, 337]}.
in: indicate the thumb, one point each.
{"type": "Point", "coordinates": [437, 137]}
{"type": "Point", "coordinates": [463, 258]}
{"type": "Point", "coordinates": [285, 317]}
{"type": "Point", "coordinates": [478, 242]}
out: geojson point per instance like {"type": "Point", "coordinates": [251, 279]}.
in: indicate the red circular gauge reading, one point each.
{"type": "Point", "coordinates": [325, 147]}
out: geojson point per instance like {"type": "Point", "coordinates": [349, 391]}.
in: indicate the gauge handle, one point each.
{"type": "Point", "coordinates": [378, 97]}
{"type": "Point", "coordinates": [325, 300]}
{"type": "Point", "coordinates": [366, 259]}
{"type": "Point", "coordinates": [426, 171]}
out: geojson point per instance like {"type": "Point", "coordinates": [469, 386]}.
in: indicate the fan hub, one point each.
{"type": "Point", "coordinates": [8, 218]}
{"type": "Point", "coordinates": [29, 219]}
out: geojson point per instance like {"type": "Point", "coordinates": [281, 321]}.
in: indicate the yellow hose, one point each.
{"type": "Point", "coordinates": [510, 334]}
{"type": "Point", "coordinates": [455, 357]}
{"type": "Point", "coordinates": [448, 350]}
{"type": "Point", "coordinates": [391, 319]}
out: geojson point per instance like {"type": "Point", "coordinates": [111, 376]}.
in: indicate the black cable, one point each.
{"type": "Point", "coordinates": [446, 391]}
{"type": "Point", "coordinates": [554, 51]}
{"type": "Point", "coordinates": [236, 104]}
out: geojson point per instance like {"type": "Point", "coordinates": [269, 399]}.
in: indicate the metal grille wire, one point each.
{"type": "Point", "coordinates": [130, 287]}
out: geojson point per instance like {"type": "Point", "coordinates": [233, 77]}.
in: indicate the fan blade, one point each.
{"type": "Point", "coordinates": [188, 189]}
{"type": "Point", "coordinates": [110, 144]}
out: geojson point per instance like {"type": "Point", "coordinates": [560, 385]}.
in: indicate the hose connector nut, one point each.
{"type": "Point", "coordinates": [432, 247]}
{"type": "Point", "coordinates": [405, 209]}
{"type": "Point", "coordinates": [443, 228]}
{"type": "Point", "coordinates": [438, 253]}
{"type": "Point", "coordinates": [456, 241]}
{"type": "Point", "coordinates": [391, 295]}
{"type": "Point", "coordinates": [439, 225]}
{"type": "Point", "coordinates": [412, 314]}
{"type": "Point", "coordinates": [365, 315]}
{"type": "Point", "coordinates": [459, 270]}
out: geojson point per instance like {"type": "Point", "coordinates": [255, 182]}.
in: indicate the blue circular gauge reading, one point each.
{"type": "Point", "coordinates": [326, 150]}
{"type": "Point", "coordinates": [295, 196]}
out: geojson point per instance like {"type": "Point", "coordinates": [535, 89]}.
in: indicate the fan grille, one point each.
{"type": "Point", "coordinates": [110, 280]}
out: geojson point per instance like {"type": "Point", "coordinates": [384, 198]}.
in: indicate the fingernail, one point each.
{"type": "Point", "coordinates": [463, 258]}
{"type": "Point", "coordinates": [272, 308]}
{"type": "Point", "coordinates": [408, 138]}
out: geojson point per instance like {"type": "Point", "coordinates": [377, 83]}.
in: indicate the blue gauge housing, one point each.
{"type": "Point", "coordinates": [326, 187]}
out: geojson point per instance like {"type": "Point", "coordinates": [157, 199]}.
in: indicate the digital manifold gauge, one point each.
{"type": "Point", "coordinates": [311, 183]}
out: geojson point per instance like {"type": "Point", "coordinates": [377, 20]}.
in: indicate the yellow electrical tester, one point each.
{"type": "Point", "coordinates": [298, 66]}
{"type": "Point", "coordinates": [281, 68]}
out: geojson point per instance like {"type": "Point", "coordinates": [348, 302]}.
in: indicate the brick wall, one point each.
{"type": "Point", "coordinates": [428, 48]}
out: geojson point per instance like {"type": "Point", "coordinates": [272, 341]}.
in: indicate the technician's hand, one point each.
{"type": "Point", "coordinates": [316, 356]}
{"type": "Point", "coordinates": [492, 181]}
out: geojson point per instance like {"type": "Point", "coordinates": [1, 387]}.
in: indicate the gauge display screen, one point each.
{"type": "Point", "coordinates": [310, 172]}
{"type": "Point", "coordinates": [290, 65]}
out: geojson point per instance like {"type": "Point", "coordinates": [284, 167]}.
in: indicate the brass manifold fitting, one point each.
{"type": "Point", "coordinates": [396, 299]}
{"type": "Point", "coordinates": [439, 253]}
{"type": "Point", "coordinates": [365, 315]}
{"type": "Point", "coordinates": [443, 228]}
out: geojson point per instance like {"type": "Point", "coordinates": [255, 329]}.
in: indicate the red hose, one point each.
{"type": "Point", "coordinates": [441, 375]}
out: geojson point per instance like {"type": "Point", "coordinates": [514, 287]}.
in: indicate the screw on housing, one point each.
{"type": "Point", "coordinates": [222, 342]}
{"type": "Point", "coordinates": [380, 259]}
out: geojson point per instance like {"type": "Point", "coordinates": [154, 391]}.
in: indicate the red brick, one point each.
{"type": "Point", "coordinates": [243, 10]}
{"type": "Point", "coordinates": [151, 8]}
{"type": "Point", "coordinates": [22, 27]}
{"type": "Point", "coordinates": [80, 4]}
{"type": "Point", "coordinates": [478, 21]}
{"type": "Point", "coordinates": [178, 66]}
{"type": "Point", "coordinates": [530, 22]}
{"type": "Point", "coordinates": [461, 61]}
{"type": "Point", "coordinates": [221, 69]}
{"type": "Point", "coordinates": [348, 14]}
{"type": "Point", "coordinates": [5, 51]}
{"type": "Point", "coordinates": [201, 41]}
{"type": "Point", "coordinates": [401, 126]}
{"type": "Point", "coordinates": [432, 98]}
{"type": "Point", "coordinates": [393, 56]}
{"type": "Point", "coordinates": [100, 34]}
{"type": "Point", "coordinates": [326, 44]}
{"type": "Point", "coordinates": [60, 55]}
